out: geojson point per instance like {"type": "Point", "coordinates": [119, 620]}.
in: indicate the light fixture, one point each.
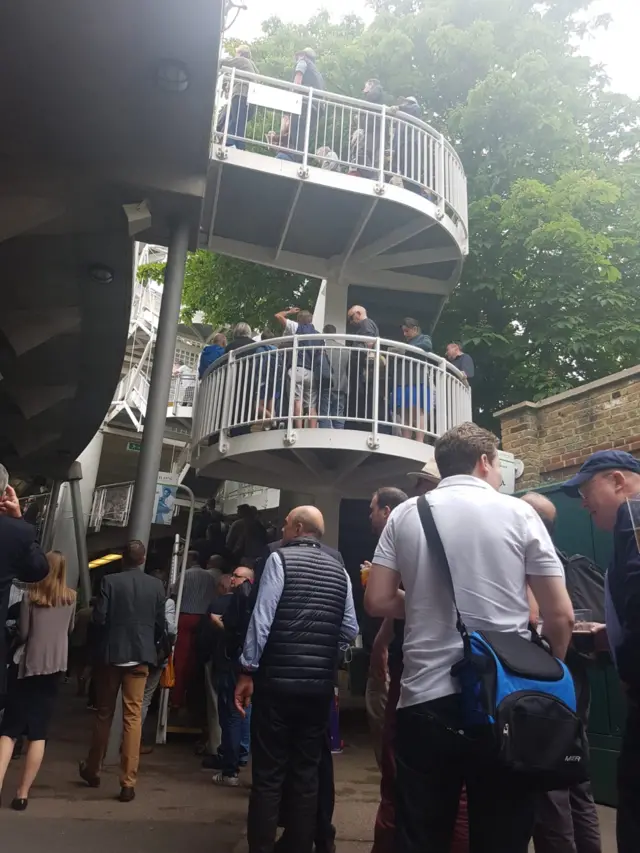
{"type": "Point", "coordinates": [102, 561]}
{"type": "Point", "coordinates": [101, 273]}
{"type": "Point", "coordinates": [172, 75]}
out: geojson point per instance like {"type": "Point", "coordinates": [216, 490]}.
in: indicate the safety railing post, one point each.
{"type": "Point", "coordinates": [383, 140]}
{"type": "Point", "coordinates": [303, 171]}
{"type": "Point", "coordinates": [442, 424]}
{"type": "Point", "coordinates": [229, 390]}
{"type": "Point", "coordinates": [222, 150]}
{"type": "Point", "coordinates": [441, 179]}
{"type": "Point", "coordinates": [373, 440]}
{"type": "Point", "coordinates": [290, 434]}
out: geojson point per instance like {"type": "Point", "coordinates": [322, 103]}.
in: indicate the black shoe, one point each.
{"type": "Point", "coordinates": [212, 762]}
{"type": "Point", "coordinates": [91, 780]}
{"type": "Point", "coordinates": [18, 804]}
{"type": "Point", "coordinates": [127, 795]}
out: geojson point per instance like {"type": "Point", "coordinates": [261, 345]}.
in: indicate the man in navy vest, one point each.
{"type": "Point", "coordinates": [304, 611]}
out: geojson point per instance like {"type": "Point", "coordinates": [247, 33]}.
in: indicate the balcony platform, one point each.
{"type": "Point", "coordinates": [385, 403]}
{"type": "Point", "coordinates": [321, 460]}
{"type": "Point", "coordinates": [390, 212]}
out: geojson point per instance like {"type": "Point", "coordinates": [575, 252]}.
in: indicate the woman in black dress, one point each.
{"type": "Point", "coordinates": [46, 620]}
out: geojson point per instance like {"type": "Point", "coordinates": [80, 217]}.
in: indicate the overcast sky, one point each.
{"type": "Point", "coordinates": [617, 48]}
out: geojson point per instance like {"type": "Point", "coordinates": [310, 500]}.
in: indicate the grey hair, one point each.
{"type": "Point", "coordinates": [242, 330]}
{"type": "Point", "coordinates": [4, 479]}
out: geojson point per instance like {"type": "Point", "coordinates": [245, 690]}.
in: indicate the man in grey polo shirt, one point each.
{"type": "Point", "coordinates": [495, 545]}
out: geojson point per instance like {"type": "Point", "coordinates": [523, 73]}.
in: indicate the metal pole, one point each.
{"type": "Point", "coordinates": [383, 139]}
{"type": "Point", "coordinates": [46, 538]}
{"type": "Point", "coordinates": [156, 416]}
{"type": "Point", "coordinates": [75, 475]}
{"type": "Point", "coordinates": [163, 711]}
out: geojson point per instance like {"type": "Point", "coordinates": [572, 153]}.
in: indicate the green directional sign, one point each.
{"type": "Point", "coordinates": [134, 446]}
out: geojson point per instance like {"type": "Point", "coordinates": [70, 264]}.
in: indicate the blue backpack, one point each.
{"type": "Point", "coordinates": [518, 701]}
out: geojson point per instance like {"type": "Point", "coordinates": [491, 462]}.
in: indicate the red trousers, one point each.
{"type": "Point", "coordinates": [385, 827]}
{"type": "Point", "coordinates": [184, 657]}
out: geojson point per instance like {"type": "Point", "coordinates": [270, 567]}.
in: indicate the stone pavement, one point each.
{"type": "Point", "coordinates": [176, 807]}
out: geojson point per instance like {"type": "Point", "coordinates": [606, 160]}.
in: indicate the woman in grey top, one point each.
{"type": "Point", "coordinates": [46, 620]}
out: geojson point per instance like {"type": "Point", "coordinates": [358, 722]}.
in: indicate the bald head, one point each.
{"type": "Point", "coordinates": [303, 521]}
{"type": "Point", "coordinates": [356, 314]}
{"type": "Point", "coordinates": [545, 509]}
{"type": "Point", "coordinates": [240, 575]}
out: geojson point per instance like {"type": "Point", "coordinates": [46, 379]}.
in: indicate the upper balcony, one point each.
{"type": "Point", "coordinates": [333, 187]}
{"type": "Point", "coordinates": [356, 413]}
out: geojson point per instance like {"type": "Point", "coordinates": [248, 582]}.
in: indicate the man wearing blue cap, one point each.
{"type": "Point", "coordinates": [606, 482]}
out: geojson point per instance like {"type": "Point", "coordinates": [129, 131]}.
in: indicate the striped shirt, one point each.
{"type": "Point", "coordinates": [200, 588]}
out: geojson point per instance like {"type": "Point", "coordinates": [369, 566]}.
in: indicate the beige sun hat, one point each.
{"type": "Point", "coordinates": [429, 472]}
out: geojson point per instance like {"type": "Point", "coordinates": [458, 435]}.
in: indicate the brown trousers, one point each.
{"type": "Point", "coordinates": [109, 679]}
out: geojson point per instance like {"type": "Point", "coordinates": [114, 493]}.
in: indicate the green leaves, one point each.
{"type": "Point", "coordinates": [550, 294]}
{"type": "Point", "coordinates": [227, 291]}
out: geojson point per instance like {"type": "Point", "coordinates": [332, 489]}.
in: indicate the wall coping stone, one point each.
{"type": "Point", "coordinates": [612, 379]}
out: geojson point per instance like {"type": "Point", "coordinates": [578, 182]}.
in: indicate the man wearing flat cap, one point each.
{"type": "Point", "coordinates": [609, 485]}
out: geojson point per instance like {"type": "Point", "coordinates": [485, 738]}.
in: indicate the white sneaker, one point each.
{"type": "Point", "coordinates": [229, 781]}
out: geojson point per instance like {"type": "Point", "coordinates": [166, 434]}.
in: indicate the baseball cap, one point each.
{"type": "Point", "coordinates": [601, 460]}
{"type": "Point", "coordinates": [309, 52]}
{"type": "Point", "coordinates": [429, 472]}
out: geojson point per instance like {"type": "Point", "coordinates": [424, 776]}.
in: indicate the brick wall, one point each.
{"type": "Point", "coordinates": [553, 437]}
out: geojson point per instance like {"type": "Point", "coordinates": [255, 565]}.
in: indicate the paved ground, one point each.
{"type": "Point", "coordinates": [177, 806]}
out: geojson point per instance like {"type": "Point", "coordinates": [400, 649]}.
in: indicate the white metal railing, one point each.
{"type": "Point", "coordinates": [318, 128]}
{"type": "Point", "coordinates": [345, 382]}
{"type": "Point", "coordinates": [145, 306]}
{"type": "Point", "coordinates": [183, 390]}
{"type": "Point", "coordinates": [138, 393]}
{"type": "Point", "coordinates": [111, 505]}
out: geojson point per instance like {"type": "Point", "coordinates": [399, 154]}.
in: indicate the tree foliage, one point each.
{"type": "Point", "coordinates": [550, 295]}
{"type": "Point", "coordinates": [226, 290]}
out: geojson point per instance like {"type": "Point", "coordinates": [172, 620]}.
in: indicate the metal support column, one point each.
{"type": "Point", "coordinates": [46, 539]}
{"type": "Point", "coordinates": [156, 415]}
{"type": "Point", "coordinates": [75, 475]}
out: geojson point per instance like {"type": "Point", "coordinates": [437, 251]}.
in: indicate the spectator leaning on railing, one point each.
{"type": "Point", "coordinates": [304, 375]}
{"type": "Point", "coordinates": [211, 353]}
{"type": "Point", "coordinates": [240, 112]}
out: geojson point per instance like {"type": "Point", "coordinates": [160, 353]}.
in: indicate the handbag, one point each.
{"type": "Point", "coordinates": [168, 675]}
{"type": "Point", "coordinates": [516, 697]}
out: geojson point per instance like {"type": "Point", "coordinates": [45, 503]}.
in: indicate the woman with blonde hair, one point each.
{"type": "Point", "coordinates": [46, 620]}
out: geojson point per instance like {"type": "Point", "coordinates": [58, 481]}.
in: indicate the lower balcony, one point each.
{"type": "Point", "coordinates": [343, 415]}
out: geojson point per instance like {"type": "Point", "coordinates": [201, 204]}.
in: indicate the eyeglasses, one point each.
{"type": "Point", "coordinates": [603, 475]}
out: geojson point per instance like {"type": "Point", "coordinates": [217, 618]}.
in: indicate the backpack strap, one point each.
{"type": "Point", "coordinates": [434, 541]}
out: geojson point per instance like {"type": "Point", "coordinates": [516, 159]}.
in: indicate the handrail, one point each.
{"type": "Point", "coordinates": [315, 127]}
{"type": "Point", "coordinates": [337, 381]}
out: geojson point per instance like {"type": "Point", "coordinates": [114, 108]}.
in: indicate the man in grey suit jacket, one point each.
{"type": "Point", "coordinates": [128, 623]}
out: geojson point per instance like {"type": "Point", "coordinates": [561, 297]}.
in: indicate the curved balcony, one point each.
{"type": "Point", "coordinates": [353, 414]}
{"type": "Point", "coordinates": [334, 187]}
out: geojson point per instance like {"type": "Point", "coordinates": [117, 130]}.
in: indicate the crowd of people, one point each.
{"type": "Point", "coordinates": [332, 381]}
{"type": "Point", "coordinates": [264, 636]}
{"type": "Point", "coordinates": [399, 146]}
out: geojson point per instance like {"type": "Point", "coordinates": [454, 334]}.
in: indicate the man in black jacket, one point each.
{"type": "Point", "coordinates": [129, 624]}
{"type": "Point", "coordinates": [20, 557]}
{"type": "Point", "coordinates": [303, 612]}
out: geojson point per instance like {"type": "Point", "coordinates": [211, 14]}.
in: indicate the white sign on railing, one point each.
{"type": "Point", "coordinates": [274, 99]}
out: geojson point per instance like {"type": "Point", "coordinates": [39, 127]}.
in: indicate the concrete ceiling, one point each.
{"type": "Point", "coordinates": [87, 127]}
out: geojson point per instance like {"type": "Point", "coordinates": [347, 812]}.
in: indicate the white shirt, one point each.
{"type": "Point", "coordinates": [493, 541]}
{"type": "Point", "coordinates": [290, 327]}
